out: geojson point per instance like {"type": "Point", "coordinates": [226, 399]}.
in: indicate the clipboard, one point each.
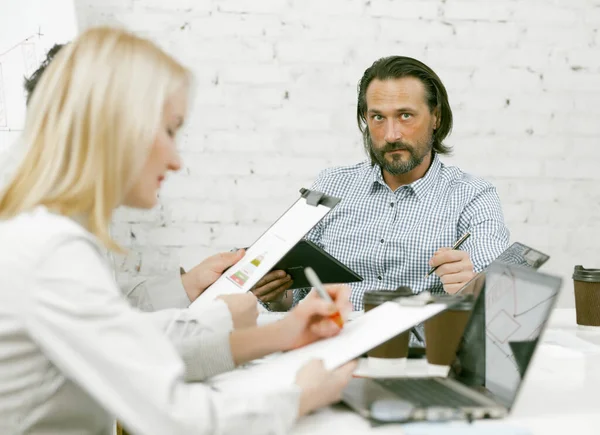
{"type": "Point", "coordinates": [271, 246]}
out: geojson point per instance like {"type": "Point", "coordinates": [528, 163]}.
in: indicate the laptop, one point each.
{"type": "Point", "coordinates": [523, 255]}
{"type": "Point", "coordinates": [511, 310]}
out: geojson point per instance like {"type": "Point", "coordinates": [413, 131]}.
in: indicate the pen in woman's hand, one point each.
{"type": "Point", "coordinates": [314, 281]}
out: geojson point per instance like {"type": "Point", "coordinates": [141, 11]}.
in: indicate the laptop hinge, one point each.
{"type": "Point", "coordinates": [489, 407]}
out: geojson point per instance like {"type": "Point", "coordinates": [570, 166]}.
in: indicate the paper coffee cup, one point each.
{"type": "Point", "coordinates": [443, 333]}
{"type": "Point", "coordinates": [586, 283]}
{"type": "Point", "coordinates": [392, 353]}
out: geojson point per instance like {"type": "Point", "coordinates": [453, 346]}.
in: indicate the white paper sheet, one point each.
{"type": "Point", "coordinates": [266, 251]}
{"type": "Point", "coordinates": [357, 337]}
{"type": "Point", "coordinates": [265, 317]}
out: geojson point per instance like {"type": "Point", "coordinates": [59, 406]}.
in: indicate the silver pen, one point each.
{"type": "Point", "coordinates": [316, 283]}
{"type": "Point", "coordinates": [456, 246]}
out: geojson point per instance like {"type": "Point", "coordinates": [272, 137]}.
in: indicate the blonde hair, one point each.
{"type": "Point", "coordinates": [89, 127]}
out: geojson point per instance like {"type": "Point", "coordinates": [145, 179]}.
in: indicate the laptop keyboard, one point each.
{"type": "Point", "coordinates": [425, 392]}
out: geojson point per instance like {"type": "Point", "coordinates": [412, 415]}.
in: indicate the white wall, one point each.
{"type": "Point", "coordinates": [276, 90]}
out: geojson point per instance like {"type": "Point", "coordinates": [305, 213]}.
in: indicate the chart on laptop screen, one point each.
{"type": "Point", "coordinates": [517, 305]}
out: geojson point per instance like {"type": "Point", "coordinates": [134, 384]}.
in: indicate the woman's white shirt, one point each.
{"type": "Point", "coordinates": [74, 355]}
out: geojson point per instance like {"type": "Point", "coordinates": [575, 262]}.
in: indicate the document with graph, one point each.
{"type": "Point", "coordinates": [271, 246]}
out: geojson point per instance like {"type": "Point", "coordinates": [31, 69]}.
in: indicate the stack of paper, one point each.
{"type": "Point", "coordinates": [357, 337]}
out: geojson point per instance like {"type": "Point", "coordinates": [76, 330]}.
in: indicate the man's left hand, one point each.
{"type": "Point", "coordinates": [455, 268]}
{"type": "Point", "coordinates": [203, 275]}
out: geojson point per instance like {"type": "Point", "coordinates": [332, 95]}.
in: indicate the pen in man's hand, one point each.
{"type": "Point", "coordinates": [314, 281]}
{"type": "Point", "coordinates": [456, 246]}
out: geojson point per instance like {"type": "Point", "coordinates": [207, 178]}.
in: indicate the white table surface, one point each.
{"type": "Point", "coordinates": [560, 394]}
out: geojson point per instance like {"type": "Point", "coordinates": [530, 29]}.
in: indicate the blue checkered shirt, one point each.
{"type": "Point", "coordinates": [388, 236]}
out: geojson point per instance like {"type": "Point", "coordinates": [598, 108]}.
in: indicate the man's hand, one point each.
{"type": "Point", "coordinates": [203, 275]}
{"type": "Point", "coordinates": [310, 320]}
{"type": "Point", "coordinates": [272, 286]}
{"type": "Point", "coordinates": [243, 309]}
{"type": "Point", "coordinates": [455, 268]}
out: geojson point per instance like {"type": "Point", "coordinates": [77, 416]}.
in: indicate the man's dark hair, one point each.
{"type": "Point", "coordinates": [31, 82]}
{"type": "Point", "coordinates": [397, 67]}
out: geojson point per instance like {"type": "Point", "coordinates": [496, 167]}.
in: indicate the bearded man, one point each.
{"type": "Point", "coordinates": [402, 209]}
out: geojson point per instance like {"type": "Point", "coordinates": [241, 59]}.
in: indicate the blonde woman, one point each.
{"type": "Point", "coordinates": [190, 332]}
{"type": "Point", "coordinates": [73, 354]}
{"type": "Point", "coordinates": [175, 289]}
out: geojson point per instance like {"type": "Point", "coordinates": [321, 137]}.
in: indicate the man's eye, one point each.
{"type": "Point", "coordinates": [378, 117]}
{"type": "Point", "coordinates": [406, 116]}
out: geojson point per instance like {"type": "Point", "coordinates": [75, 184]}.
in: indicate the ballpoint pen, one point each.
{"type": "Point", "coordinates": [417, 334]}
{"type": "Point", "coordinates": [456, 246]}
{"type": "Point", "coordinates": [314, 281]}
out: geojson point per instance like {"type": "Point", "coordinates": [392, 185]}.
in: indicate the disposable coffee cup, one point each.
{"type": "Point", "coordinates": [391, 354]}
{"type": "Point", "coordinates": [587, 296]}
{"type": "Point", "coordinates": [444, 331]}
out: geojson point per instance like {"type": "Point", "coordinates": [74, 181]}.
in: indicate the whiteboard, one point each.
{"type": "Point", "coordinates": [28, 29]}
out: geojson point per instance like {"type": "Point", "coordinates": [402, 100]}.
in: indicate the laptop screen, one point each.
{"type": "Point", "coordinates": [510, 312]}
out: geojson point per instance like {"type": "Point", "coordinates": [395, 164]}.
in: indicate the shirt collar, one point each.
{"type": "Point", "coordinates": [376, 175]}
{"type": "Point", "coordinates": [419, 187]}
{"type": "Point", "coordinates": [424, 184]}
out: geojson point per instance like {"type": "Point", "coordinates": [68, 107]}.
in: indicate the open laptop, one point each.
{"type": "Point", "coordinates": [523, 255]}
{"type": "Point", "coordinates": [512, 307]}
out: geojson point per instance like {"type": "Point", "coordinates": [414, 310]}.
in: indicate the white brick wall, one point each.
{"type": "Point", "coordinates": [276, 98]}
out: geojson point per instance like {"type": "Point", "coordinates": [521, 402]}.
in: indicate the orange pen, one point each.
{"type": "Point", "coordinates": [314, 280]}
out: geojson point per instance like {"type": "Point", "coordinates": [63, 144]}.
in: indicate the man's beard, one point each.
{"type": "Point", "coordinates": [398, 166]}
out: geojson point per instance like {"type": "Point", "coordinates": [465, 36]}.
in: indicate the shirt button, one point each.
{"type": "Point", "coordinates": [379, 277]}
{"type": "Point", "coordinates": [382, 241]}
{"type": "Point", "coordinates": [391, 204]}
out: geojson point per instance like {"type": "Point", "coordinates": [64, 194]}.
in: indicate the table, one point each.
{"type": "Point", "coordinates": [560, 394]}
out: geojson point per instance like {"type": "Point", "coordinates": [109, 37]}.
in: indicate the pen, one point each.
{"type": "Point", "coordinates": [456, 246]}
{"type": "Point", "coordinates": [314, 281]}
{"type": "Point", "coordinates": [416, 333]}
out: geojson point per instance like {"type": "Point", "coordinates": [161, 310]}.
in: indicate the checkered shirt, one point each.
{"type": "Point", "coordinates": [388, 236]}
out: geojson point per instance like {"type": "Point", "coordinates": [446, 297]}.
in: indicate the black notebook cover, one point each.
{"type": "Point", "coordinates": [307, 254]}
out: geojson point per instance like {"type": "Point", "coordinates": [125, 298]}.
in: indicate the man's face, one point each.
{"type": "Point", "coordinates": [400, 124]}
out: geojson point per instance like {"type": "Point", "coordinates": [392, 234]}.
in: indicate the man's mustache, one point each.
{"type": "Point", "coordinates": [395, 146]}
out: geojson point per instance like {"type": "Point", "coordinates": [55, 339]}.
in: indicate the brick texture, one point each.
{"type": "Point", "coordinates": [275, 101]}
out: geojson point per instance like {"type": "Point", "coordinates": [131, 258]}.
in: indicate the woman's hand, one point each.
{"type": "Point", "coordinates": [310, 320]}
{"type": "Point", "coordinates": [321, 387]}
{"type": "Point", "coordinates": [243, 309]}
